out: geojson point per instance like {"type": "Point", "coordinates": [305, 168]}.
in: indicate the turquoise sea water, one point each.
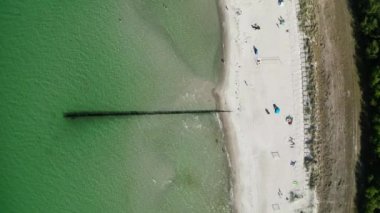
{"type": "Point", "coordinates": [57, 56]}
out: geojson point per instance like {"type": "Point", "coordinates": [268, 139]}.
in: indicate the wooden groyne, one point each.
{"type": "Point", "coordinates": [84, 114]}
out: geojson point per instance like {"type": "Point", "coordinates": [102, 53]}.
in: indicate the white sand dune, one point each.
{"type": "Point", "coordinates": [260, 143]}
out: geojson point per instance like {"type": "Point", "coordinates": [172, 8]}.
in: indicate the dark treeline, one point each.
{"type": "Point", "coordinates": [366, 15]}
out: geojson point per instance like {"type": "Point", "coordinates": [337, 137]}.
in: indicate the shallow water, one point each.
{"type": "Point", "coordinates": [117, 55]}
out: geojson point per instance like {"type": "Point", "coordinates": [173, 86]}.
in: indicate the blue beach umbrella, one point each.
{"type": "Point", "coordinates": [277, 110]}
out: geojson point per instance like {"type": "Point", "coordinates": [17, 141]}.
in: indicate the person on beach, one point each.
{"type": "Point", "coordinates": [289, 119]}
{"type": "Point", "coordinates": [281, 20]}
{"type": "Point", "coordinates": [258, 61]}
{"type": "Point", "coordinates": [255, 50]}
{"type": "Point", "coordinates": [279, 193]}
{"type": "Point", "coordinates": [255, 26]}
{"type": "Point", "coordinates": [266, 110]}
{"type": "Point", "coordinates": [291, 141]}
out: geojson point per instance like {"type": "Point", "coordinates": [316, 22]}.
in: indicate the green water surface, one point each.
{"type": "Point", "coordinates": [57, 56]}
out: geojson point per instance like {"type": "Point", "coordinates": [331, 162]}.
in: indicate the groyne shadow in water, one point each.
{"type": "Point", "coordinates": [84, 114]}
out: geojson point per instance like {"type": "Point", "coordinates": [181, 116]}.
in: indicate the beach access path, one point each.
{"type": "Point", "coordinates": [263, 146]}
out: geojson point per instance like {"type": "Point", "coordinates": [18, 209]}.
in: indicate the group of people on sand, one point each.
{"type": "Point", "coordinates": [255, 26]}
{"type": "Point", "coordinates": [276, 109]}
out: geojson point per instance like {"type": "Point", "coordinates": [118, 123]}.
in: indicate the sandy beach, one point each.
{"type": "Point", "coordinates": [262, 62]}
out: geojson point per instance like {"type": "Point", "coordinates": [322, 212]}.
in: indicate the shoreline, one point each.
{"type": "Point", "coordinates": [225, 122]}
{"type": "Point", "coordinates": [251, 180]}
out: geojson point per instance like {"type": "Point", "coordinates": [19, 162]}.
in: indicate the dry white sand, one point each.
{"type": "Point", "coordinates": [260, 149]}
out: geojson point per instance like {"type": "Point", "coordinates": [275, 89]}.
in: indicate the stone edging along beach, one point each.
{"type": "Point", "coordinates": [266, 153]}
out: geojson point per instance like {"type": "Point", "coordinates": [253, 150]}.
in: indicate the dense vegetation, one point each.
{"type": "Point", "coordinates": [367, 26]}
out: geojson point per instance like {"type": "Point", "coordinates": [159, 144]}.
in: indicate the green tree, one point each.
{"type": "Point", "coordinates": [374, 7]}
{"type": "Point", "coordinates": [375, 77]}
{"type": "Point", "coordinates": [373, 49]}
{"type": "Point", "coordinates": [368, 18]}
{"type": "Point", "coordinates": [369, 25]}
{"type": "Point", "coordinates": [373, 196]}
